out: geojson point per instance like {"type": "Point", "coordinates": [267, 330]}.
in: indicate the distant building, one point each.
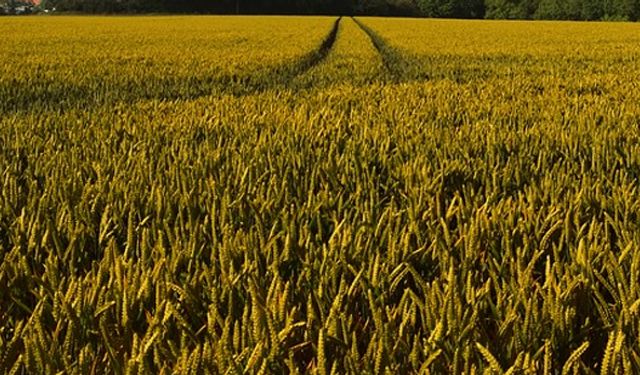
{"type": "Point", "coordinates": [18, 7]}
{"type": "Point", "coordinates": [23, 9]}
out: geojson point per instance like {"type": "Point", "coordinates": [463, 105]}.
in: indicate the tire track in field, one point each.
{"type": "Point", "coordinates": [398, 65]}
{"type": "Point", "coordinates": [352, 61]}
{"type": "Point", "coordinates": [45, 98]}
{"type": "Point", "coordinates": [284, 76]}
{"type": "Point", "coordinates": [317, 56]}
{"type": "Point", "coordinates": [279, 76]}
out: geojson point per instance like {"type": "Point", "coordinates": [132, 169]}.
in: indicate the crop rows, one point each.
{"type": "Point", "coordinates": [64, 62]}
{"type": "Point", "coordinates": [469, 212]}
{"type": "Point", "coordinates": [352, 61]}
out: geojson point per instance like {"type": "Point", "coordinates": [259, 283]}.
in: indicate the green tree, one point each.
{"type": "Point", "coordinates": [624, 9]}
{"type": "Point", "coordinates": [572, 9]}
{"type": "Point", "coordinates": [510, 9]}
{"type": "Point", "coordinates": [379, 7]}
{"type": "Point", "coordinates": [452, 8]}
{"type": "Point", "coordinates": [591, 10]}
{"type": "Point", "coordinates": [550, 10]}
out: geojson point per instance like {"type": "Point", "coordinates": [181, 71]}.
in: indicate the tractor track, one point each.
{"type": "Point", "coordinates": [239, 86]}
{"type": "Point", "coordinates": [394, 61]}
{"type": "Point", "coordinates": [317, 56]}
{"type": "Point", "coordinates": [282, 76]}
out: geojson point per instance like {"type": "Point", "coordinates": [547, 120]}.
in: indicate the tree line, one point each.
{"type": "Point", "coordinates": [493, 9]}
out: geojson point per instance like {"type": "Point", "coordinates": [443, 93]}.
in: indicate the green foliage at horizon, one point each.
{"type": "Point", "coordinates": [608, 10]}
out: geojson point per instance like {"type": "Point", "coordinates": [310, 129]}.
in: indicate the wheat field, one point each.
{"type": "Point", "coordinates": [322, 195]}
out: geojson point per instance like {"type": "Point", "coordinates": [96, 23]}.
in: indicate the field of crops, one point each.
{"type": "Point", "coordinates": [232, 195]}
